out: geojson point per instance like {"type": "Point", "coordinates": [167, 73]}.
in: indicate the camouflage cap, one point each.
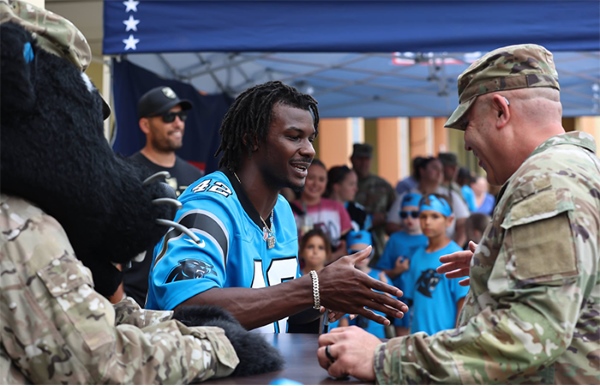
{"type": "Point", "coordinates": [505, 68]}
{"type": "Point", "coordinates": [53, 33]}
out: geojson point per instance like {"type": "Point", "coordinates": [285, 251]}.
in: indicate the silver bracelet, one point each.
{"type": "Point", "coordinates": [315, 285]}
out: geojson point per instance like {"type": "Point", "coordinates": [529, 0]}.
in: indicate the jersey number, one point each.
{"type": "Point", "coordinates": [217, 187]}
{"type": "Point", "coordinates": [280, 270]}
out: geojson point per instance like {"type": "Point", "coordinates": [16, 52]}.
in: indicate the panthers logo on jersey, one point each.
{"type": "Point", "coordinates": [427, 282]}
{"type": "Point", "coordinates": [189, 269]}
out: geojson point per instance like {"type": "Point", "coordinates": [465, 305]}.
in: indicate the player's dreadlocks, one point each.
{"type": "Point", "coordinates": [249, 118]}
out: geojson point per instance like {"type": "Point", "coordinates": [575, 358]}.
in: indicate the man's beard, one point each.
{"type": "Point", "coordinates": [167, 146]}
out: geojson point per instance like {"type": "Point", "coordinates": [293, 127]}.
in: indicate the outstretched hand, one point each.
{"type": "Point", "coordinates": [349, 290]}
{"type": "Point", "coordinates": [458, 264]}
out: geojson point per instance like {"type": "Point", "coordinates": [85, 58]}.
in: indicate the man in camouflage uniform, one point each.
{"type": "Point", "coordinates": [532, 314]}
{"type": "Point", "coordinates": [55, 328]}
{"type": "Point", "coordinates": [374, 193]}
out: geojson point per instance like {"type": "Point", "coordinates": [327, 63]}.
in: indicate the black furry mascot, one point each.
{"type": "Point", "coordinates": [54, 156]}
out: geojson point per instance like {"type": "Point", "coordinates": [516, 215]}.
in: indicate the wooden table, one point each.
{"type": "Point", "coordinates": [301, 364]}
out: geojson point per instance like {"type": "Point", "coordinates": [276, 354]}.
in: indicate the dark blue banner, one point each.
{"type": "Point", "coordinates": [201, 138]}
{"type": "Point", "coordinates": [347, 26]}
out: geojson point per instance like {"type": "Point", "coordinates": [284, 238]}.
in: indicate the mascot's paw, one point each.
{"type": "Point", "coordinates": [256, 355]}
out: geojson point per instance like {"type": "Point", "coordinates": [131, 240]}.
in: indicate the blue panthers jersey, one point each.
{"type": "Point", "coordinates": [232, 251]}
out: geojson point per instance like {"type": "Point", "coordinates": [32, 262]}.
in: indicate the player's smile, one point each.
{"type": "Point", "coordinates": [290, 137]}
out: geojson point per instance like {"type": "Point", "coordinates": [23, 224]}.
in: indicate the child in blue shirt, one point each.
{"type": "Point", "coordinates": [436, 300]}
{"type": "Point", "coordinates": [357, 241]}
{"type": "Point", "coordinates": [400, 248]}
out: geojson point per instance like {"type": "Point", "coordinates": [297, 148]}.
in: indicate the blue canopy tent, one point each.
{"type": "Point", "coordinates": [369, 59]}
{"type": "Point", "coordinates": [350, 26]}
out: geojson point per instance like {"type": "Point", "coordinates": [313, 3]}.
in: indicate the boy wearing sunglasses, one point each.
{"type": "Point", "coordinates": [400, 248]}
{"type": "Point", "coordinates": [436, 300]}
{"type": "Point", "coordinates": [162, 119]}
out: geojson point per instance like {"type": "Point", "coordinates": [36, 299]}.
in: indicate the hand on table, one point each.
{"type": "Point", "coordinates": [346, 289]}
{"type": "Point", "coordinates": [458, 264]}
{"type": "Point", "coordinates": [351, 352]}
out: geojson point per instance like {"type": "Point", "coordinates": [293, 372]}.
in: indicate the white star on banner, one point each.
{"type": "Point", "coordinates": [130, 43]}
{"type": "Point", "coordinates": [131, 23]}
{"type": "Point", "coordinates": [131, 5]}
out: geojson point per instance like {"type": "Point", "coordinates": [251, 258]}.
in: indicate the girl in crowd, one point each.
{"type": "Point", "coordinates": [342, 185]}
{"type": "Point", "coordinates": [314, 250]}
{"type": "Point", "coordinates": [323, 213]}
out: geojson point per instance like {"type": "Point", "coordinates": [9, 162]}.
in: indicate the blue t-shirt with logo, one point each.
{"type": "Point", "coordinates": [434, 296]}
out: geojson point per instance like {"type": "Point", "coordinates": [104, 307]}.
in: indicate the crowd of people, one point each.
{"type": "Point", "coordinates": [400, 235]}
{"type": "Point", "coordinates": [334, 209]}
{"type": "Point", "coordinates": [329, 203]}
{"type": "Point", "coordinates": [441, 213]}
{"type": "Point", "coordinates": [516, 296]}
{"type": "Point", "coordinates": [332, 227]}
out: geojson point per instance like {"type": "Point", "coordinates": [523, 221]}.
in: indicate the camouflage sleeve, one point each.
{"type": "Point", "coordinates": [536, 291]}
{"type": "Point", "coordinates": [128, 311]}
{"type": "Point", "coordinates": [57, 329]}
{"type": "Point", "coordinates": [490, 347]}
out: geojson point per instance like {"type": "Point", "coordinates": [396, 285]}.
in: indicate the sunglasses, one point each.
{"type": "Point", "coordinates": [170, 117]}
{"type": "Point", "coordinates": [412, 213]}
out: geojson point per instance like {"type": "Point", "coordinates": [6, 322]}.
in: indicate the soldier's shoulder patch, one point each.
{"type": "Point", "coordinates": [539, 238]}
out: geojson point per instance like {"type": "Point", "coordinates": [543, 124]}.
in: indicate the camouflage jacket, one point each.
{"type": "Point", "coordinates": [56, 329]}
{"type": "Point", "coordinates": [533, 311]}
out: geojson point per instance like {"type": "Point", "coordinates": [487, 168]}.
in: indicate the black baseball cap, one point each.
{"type": "Point", "coordinates": [160, 100]}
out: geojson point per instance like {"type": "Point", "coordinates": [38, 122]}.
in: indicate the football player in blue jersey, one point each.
{"type": "Point", "coordinates": [234, 242]}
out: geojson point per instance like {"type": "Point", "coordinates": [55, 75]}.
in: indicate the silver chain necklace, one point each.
{"type": "Point", "coordinates": [268, 233]}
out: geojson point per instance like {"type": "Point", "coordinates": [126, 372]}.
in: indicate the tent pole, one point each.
{"type": "Point", "coordinates": [107, 94]}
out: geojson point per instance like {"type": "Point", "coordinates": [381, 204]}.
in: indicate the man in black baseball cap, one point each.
{"type": "Point", "coordinates": [159, 101]}
{"type": "Point", "coordinates": [162, 119]}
